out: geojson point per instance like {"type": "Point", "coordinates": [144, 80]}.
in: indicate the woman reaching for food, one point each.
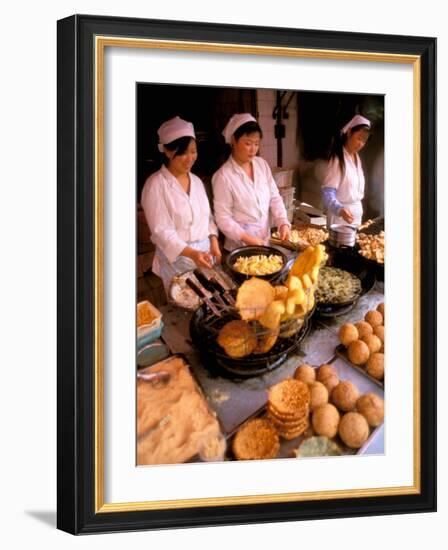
{"type": "Point", "coordinates": [176, 207]}
{"type": "Point", "coordinates": [343, 181]}
{"type": "Point", "coordinates": [245, 193]}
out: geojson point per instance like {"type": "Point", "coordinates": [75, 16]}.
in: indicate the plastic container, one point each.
{"type": "Point", "coordinates": [148, 333]}
{"type": "Point", "coordinates": [152, 353]}
{"type": "Point", "coordinates": [287, 194]}
{"type": "Point", "coordinates": [282, 177]}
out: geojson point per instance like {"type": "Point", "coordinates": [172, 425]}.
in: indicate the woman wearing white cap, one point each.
{"type": "Point", "coordinates": [244, 191]}
{"type": "Point", "coordinates": [176, 207]}
{"type": "Point", "coordinates": [343, 181]}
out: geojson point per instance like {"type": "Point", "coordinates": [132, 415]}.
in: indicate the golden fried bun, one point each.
{"type": "Point", "coordinates": [267, 341]}
{"type": "Point", "coordinates": [348, 333]}
{"type": "Point", "coordinates": [257, 439]}
{"type": "Point", "coordinates": [325, 420]}
{"type": "Point", "coordinates": [253, 297]}
{"type": "Point", "coordinates": [374, 318]}
{"type": "Point", "coordinates": [305, 373]}
{"type": "Point", "coordinates": [380, 308]}
{"type": "Point", "coordinates": [281, 292]}
{"type": "Point", "coordinates": [237, 338]}
{"type": "Point", "coordinates": [358, 352]}
{"type": "Point", "coordinates": [363, 328]}
{"type": "Point", "coordinates": [328, 376]}
{"type": "Point", "coordinates": [379, 331]}
{"type": "Point", "coordinates": [375, 365]}
{"type": "Point", "coordinates": [353, 430]}
{"type": "Point", "coordinates": [345, 395]}
{"type": "Point", "coordinates": [318, 395]}
{"type": "Point", "coordinates": [373, 342]}
{"type": "Point", "coordinates": [371, 406]}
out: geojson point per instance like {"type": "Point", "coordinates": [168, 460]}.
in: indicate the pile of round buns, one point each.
{"type": "Point", "coordinates": [337, 408]}
{"type": "Point", "coordinates": [365, 342]}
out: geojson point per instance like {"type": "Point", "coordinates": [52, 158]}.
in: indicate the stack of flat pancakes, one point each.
{"type": "Point", "coordinates": [288, 407]}
{"type": "Point", "coordinates": [256, 440]}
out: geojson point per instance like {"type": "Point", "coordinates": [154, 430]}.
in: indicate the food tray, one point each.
{"type": "Point", "coordinates": [345, 372]}
{"type": "Point", "coordinates": [146, 334]}
{"type": "Point", "coordinates": [300, 246]}
{"type": "Point", "coordinates": [341, 352]}
{"type": "Point", "coordinates": [168, 404]}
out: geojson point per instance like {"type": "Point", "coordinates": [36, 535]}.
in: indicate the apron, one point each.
{"type": "Point", "coordinates": [256, 229]}
{"type": "Point", "coordinates": [166, 270]}
{"type": "Point", "coordinates": [355, 208]}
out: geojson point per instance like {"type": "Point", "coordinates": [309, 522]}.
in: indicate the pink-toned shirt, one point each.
{"type": "Point", "coordinates": [174, 217]}
{"type": "Point", "coordinates": [242, 205]}
{"type": "Point", "coordinates": [350, 184]}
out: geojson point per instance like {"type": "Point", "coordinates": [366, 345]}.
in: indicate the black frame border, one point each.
{"type": "Point", "coordinates": [76, 262]}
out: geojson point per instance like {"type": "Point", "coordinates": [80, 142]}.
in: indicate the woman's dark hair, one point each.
{"type": "Point", "coordinates": [179, 146]}
{"type": "Point", "coordinates": [337, 148]}
{"type": "Point", "coordinates": [247, 128]}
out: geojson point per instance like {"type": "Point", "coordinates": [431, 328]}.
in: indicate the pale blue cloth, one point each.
{"type": "Point", "coordinates": [167, 269]}
{"type": "Point", "coordinates": [329, 200]}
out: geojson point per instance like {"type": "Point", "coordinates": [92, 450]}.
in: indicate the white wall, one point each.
{"type": "Point", "coordinates": [28, 275]}
{"type": "Point", "coordinates": [266, 102]}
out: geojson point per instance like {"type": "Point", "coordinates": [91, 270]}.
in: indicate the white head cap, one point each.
{"type": "Point", "coordinates": [234, 123]}
{"type": "Point", "coordinates": [355, 121]}
{"type": "Point", "coordinates": [172, 129]}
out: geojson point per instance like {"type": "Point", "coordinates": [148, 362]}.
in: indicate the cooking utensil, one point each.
{"type": "Point", "coordinates": [208, 285]}
{"type": "Point", "coordinates": [248, 251]}
{"type": "Point", "coordinates": [342, 235]}
{"type": "Point", "coordinates": [155, 378]}
{"type": "Point", "coordinates": [216, 288]}
{"type": "Point", "coordinates": [226, 293]}
{"type": "Point", "coordinates": [202, 296]}
{"type": "Point", "coordinates": [204, 330]}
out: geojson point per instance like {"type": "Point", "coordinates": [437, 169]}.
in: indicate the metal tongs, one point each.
{"type": "Point", "coordinates": [221, 295]}
{"type": "Point", "coordinates": [198, 291]}
{"type": "Point", "coordinates": [155, 378]}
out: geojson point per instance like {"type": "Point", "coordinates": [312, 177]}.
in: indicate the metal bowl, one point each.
{"type": "Point", "coordinates": [342, 235]}
{"type": "Point", "coordinates": [247, 251]}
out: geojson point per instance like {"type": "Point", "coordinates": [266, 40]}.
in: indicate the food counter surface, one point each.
{"type": "Point", "coordinates": [235, 400]}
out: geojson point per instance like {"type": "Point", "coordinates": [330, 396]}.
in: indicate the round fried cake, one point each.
{"type": "Point", "coordinates": [266, 340]}
{"type": "Point", "coordinates": [294, 432]}
{"type": "Point", "coordinates": [289, 397]}
{"type": "Point", "coordinates": [237, 338]}
{"type": "Point", "coordinates": [253, 297]}
{"type": "Point", "coordinates": [256, 440]}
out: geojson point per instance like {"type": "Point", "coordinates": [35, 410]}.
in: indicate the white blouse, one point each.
{"type": "Point", "coordinates": [350, 185]}
{"type": "Point", "coordinates": [239, 201]}
{"type": "Point", "coordinates": [174, 217]}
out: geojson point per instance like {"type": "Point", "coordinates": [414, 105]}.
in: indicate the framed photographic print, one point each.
{"type": "Point", "coordinates": [236, 207]}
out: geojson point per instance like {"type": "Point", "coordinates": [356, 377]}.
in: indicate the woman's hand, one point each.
{"type": "Point", "coordinates": [285, 232]}
{"type": "Point", "coordinates": [215, 250]}
{"type": "Point", "coordinates": [200, 258]}
{"type": "Point", "coordinates": [346, 215]}
{"type": "Point", "coordinates": [251, 240]}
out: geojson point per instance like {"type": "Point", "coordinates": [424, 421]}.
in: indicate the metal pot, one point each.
{"type": "Point", "coordinates": [247, 251]}
{"type": "Point", "coordinates": [342, 235]}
